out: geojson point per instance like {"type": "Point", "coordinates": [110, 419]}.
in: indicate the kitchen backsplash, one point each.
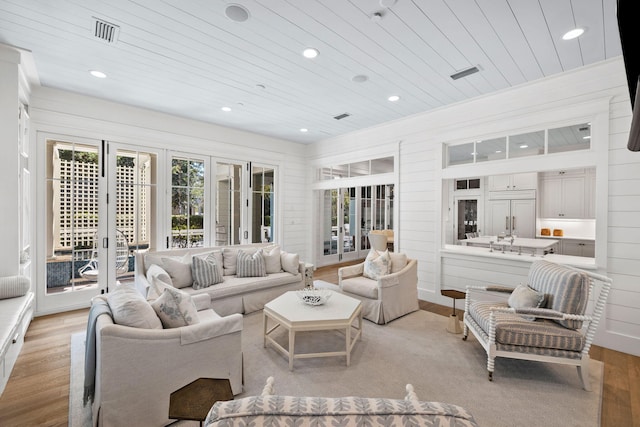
{"type": "Point", "coordinates": [577, 228]}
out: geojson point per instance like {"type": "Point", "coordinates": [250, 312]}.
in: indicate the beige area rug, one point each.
{"type": "Point", "coordinates": [414, 349]}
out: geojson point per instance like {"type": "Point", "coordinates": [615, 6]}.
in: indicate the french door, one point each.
{"type": "Point", "coordinates": [346, 217]}
{"type": "Point", "coordinates": [98, 210]}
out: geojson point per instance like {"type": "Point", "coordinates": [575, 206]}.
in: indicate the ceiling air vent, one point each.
{"type": "Point", "coordinates": [342, 116]}
{"type": "Point", "coordinates": [464, 73]}
{"type": "Point", "coordinates": [105, 31]}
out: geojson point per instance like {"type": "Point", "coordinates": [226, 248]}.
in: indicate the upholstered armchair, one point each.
{"type": "Point", "coordinates": [553, 319]}
{"type": "Point", "coordinates": [387, 297]}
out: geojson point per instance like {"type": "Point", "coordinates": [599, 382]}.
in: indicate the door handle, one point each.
{"type": "Point", "coordinates": [506, 222]}
{"type": "Point", "coordinates": [513, 223]}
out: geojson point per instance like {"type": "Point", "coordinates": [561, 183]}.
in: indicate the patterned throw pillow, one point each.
{"type": "Point", "coordinates": [205, 272]}
{"type": "Point", "coordinates": [17, 286]}
{"type": "Point", "coordinates": [175, 308]}
{"type": "Point", "coordinates": [377, 264]}
{"type": "Point", "coordinates": [250, 265]}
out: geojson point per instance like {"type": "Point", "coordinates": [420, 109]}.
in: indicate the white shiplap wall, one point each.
{"type": "Point", "coordinates": [65, 113]}
{"type": "Point", "coordinates": [523, 107]}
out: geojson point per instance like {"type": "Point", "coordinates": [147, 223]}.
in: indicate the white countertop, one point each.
{"type": "Point", "coordinates": [574, 261]}
{"type": "Point", "coordinates": [591, 239]}
{"type": "Point", "coordinates": [518, 241]}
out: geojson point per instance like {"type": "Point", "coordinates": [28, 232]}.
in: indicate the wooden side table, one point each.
{"type": "Point", "coordinates": [193, 401]}
{"type": "Point", "coordinates": [454, 325]}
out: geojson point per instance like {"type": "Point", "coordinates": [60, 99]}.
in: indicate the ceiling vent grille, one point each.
{"type": "Point", "coordinates": [342, 116]}
{"type": "Point", "coordinates": [105, 31]}
{"type": "Point", "coordinates": [464, 73]}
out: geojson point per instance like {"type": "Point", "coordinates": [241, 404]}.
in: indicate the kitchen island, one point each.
{"type": "Point", "coordinates": [517, 245]}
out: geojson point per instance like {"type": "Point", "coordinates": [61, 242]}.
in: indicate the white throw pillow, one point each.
{"type": "Point", "coordinates": [155, 271]}
{"type": "Point", "coordinates": [525, 297]}
{"type": "Point", "coordinates": [157, 288]}
{"type": "Point", "coordinates": [398, 261]}
{"type": "Point", "coordinates": [250, 265]}
{"type": "Point", "coordinates": [14, 286]}
{"type": "Point", "coordinates": [129, 308]}
{"type": "Point", "coordinates": [272, 259]}
{"type": "Point", "coordinates": [175, 308]}
{"type": "Point", "coordinates": [205, 272]}
{"type": "Point", "coordinates": [290, 262]}
{"type": "Point", "coordinates": [179, 270]}
{"type": "Point", "coordinates": [376, 264]}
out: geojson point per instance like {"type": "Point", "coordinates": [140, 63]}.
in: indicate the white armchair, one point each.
{"type": "Point", "coordinates": [387, 298]}
{"type": "Point", "coordinates": [138, 369]}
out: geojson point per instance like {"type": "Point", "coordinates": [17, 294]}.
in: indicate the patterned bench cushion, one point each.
{"type": "Point", "coordinates": [566, 290]}
{"type": "Point", "coordinates": [344, 411]}
{"type": "Point", "coordinates": [512, 329]}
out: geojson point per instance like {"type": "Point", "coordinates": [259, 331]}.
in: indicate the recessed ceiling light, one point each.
{"type": "Point", "coordinates": [524, 146]}
{"type": "Point", "coordinates": [586, 137]}
{"type": "Point", "coordinates": [98, 74]}
{"type": "Point", "coordinates": [227, 109]}
{"type": "Point", "coordinates": [387, 3]}
{"type": "Point", "coordinates": [237, 12]}
{"type": "Point", "coordinates": [303, 130]}
{"type": "Point", "coordinates": [498, 151]}
{"type": "Point", "coordinates": [394, 98]}
{"type": "Point", "coordinates": [360, 78]}
{"type": "Point", "coordinates": [576, 32]}
{"type": "Point", "coordinates": [310, 52]}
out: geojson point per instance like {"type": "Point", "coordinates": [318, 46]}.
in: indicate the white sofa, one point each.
{"type": "Point", "coordinates": [16, 312]}
{"type": "Point", "coordinates": [235, 294]}
{"type": "Point", "coordinates": [137, 369]}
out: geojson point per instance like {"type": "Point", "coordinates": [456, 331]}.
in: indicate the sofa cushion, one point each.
{"type": "Point", "coordinates": [566, 290]}
{"type": "Point", "coordinates": [399, 261]}
{"type": "Point", "coordinates": [205, 272]}
{"type": "Point", "coordinates": [179, 270]}
{"type": "Point", "coordinates": [234, 285]}
{"type": "Point", "coordinates": [376, 264]}
{"type": "Point", "coordinates": [14, 286]}
{"type": "Point", "coordinates": [250, 265]}
{"type": "Point", "coordinates": [290, 262]}
{"type": "Point", "coordinates": [175, 308]}
{"type": "Point", "coordinates": [217, 254]}
{"type": "Point", "coordinates": [156, 288]}
{"type": "Point", "coordinates": [155, 271]}
{"type": "Point", "coordinates": [272, 259]}
{"type": "Point", "coordinates": [362, 286]}
{"type": "Point", "coordinates": [512, 329]}
{"type": "Point", "coordinates": [129, 308]}
{"type": "Point", "coordinates": [525, 297]}
{"type": "Point", "coordinates": [335, 411]}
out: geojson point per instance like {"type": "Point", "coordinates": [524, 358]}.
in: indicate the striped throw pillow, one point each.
{"type": "Point", "coordinates": [205, 272]}
{"type": "Point", "coordinates": [250, 265]}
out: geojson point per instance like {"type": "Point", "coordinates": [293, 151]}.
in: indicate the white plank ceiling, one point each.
{"type": "Point", "coordinates": [189, 59]}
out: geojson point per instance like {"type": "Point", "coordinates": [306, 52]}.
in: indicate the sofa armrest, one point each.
{"type": "Point", "coordinates": [350, 271]}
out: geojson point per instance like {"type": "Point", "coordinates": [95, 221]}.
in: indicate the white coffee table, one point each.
{"type": "Point", "coordinates": [339, 312]}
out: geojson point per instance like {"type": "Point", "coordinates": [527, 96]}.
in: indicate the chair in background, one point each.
{"type": "Point", "coordinates": [390, 296]}
{"type": "Point", "coordinates": [377, 241]}
{"type": "Point", "coordinates": [553, 319]}
{"type": "Point", "coordinates": [89, 271]}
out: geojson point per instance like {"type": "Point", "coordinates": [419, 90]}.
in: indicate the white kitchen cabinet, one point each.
{"type": "Point", "coordinates": [518, 181]}
{"type": "Point", "coordinates": [562, 197]}
{"type": "Point", "coordinates": [576, 247]}
{"type": "Point", "coordinates": [511, 217]}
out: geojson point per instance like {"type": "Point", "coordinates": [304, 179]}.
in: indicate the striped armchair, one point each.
{"type": "Point", "coordinates": [558, 327]}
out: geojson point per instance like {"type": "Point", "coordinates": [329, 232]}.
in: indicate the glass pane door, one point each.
{"type": "Point", "coordinates": [262, 204]}
{"type": "Point", "coordinates": [228, 204]}
{"type": "Point", "coordinates": [187, 202]}
{"type": "Point", "coordinates": [71, 241]}
{"type": "Point", "coordinates": [136, 200]}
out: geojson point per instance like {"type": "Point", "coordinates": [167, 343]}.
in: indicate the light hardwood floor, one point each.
{"type": "Point", "coordinates": [38, 391]}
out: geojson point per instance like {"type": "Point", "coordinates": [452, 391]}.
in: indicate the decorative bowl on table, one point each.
{"type": "Point", "coordinates": [311, 296]}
